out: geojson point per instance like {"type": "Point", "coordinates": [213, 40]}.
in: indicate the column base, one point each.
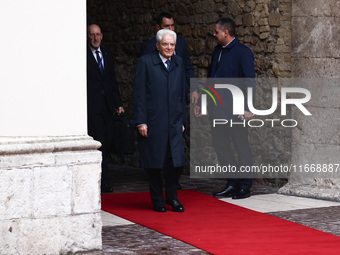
{"type": "Point", "coordinates": [49, 195]}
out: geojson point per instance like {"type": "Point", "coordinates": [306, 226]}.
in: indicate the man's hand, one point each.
{"type": "Point", "coordinates": [120, 110]}
{"type": "Point", "coordinates": [247, 115]}
{"type": "Point", "coordinates": [197, 111]}
{"type": "Point", "coordinates": [143, 130]}
{"type": "Point", "coordinates": [194, 97]}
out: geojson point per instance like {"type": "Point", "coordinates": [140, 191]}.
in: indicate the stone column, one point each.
{"type": "Point", "coordinates": [49, 167]}
{"type": "Point", "coordinates": [315, 54]}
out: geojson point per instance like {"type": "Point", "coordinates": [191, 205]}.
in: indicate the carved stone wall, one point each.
{"type": "Point", "coordinates": [262, 25]}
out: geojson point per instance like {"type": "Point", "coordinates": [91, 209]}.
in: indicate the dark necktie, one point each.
{"type": "Point", "coordinates": [167, 64]}
{"type": "Point", "coordinates": [100, 62]}
{"type": "Point", "coordinates": [221, 53]}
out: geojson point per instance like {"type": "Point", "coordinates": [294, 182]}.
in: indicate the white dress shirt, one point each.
{"type": "Point", "coordinates": [95, 55]}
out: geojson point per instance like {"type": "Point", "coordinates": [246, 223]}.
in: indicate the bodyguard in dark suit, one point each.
{"type": "Point", "coordinates": [103, 97]}
{"type": "Point", "coordinates": [231, 59]}
{"type": "Point", "coordinates": [160, 115]}
{"type": "Point", "coordinates": [166, 21]}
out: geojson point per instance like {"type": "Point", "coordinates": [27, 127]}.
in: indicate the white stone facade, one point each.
{"type": "Point", "coordinates": [49, 195]}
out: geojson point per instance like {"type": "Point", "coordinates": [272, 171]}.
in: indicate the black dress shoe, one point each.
{"type": "Point", "coordinates": [242, 193]}
{"type": "Point", "coordinates": [227, 192]}
{"type": "Point", "coordinates": [176, 205]}
{"type": "Point", "coordinates": [106, 188]}
{"type": "Point", "coordinates": [159, 208]}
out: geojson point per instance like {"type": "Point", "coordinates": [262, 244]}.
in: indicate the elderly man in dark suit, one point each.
{"type": "Point", "coordinates": [166, 21]}
{"type": "Point", "coordinates": [160, 115]}
{"type": "Point", "coordinates": [103, 97]}
{"type": "Point", "coordinates": [231, 59]}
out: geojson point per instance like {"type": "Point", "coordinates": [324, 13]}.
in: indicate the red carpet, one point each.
{"type": "Point", "coordinates": [222, 228]}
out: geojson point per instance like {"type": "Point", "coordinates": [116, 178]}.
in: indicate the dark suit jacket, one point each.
{"type": "Point", "coordinates": [102, 89]}
{"type": "Point", "coordinates": [237, 61]}
{"type": "Point", "coordinates": [180, 50]}
{"type": "Point", "coordinates": [160, 102]}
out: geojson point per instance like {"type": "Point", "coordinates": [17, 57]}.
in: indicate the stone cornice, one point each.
{"type": "Point", "coordinates": [31, 145]}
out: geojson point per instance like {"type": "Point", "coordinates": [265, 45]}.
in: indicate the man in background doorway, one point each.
{"type": "Point", "coordinates": [103, 97]}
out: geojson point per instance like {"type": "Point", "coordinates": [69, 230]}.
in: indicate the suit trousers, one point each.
{"type": "Point", "coordinates": [171, 176]}
{"type": "Point", "coordinates": [100, 127]}
{"type": "Point", "coordinates": [223, 136]}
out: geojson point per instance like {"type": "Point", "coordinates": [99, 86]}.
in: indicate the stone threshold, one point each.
{"type": "Point", "coordinates": [311, 191]}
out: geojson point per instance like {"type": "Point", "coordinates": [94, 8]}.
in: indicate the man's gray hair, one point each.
{"type": "Point", "coordinates": [163, 32]}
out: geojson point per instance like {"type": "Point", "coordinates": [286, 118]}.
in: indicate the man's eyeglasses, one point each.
{"type": "Point", "coordinates": [164, 45]}
{"type": "Point", "coordinates": [95, 35]}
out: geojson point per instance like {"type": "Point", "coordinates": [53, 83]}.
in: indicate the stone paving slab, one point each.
{"type": "Point", "coordinates": [136, 239]}
{"type": "Point", "coordinates": [276, 202]}
{"type": "Point", "coordinates": [325, 219]}
{"type": "Point", "coordinates": [110, 220]}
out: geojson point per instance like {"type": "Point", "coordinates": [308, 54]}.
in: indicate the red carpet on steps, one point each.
{"type": "Point", "coordinates": [222, 228]}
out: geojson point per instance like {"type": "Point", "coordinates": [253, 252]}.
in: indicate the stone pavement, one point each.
{"type": "Point", "coordinates": [124, 237]}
